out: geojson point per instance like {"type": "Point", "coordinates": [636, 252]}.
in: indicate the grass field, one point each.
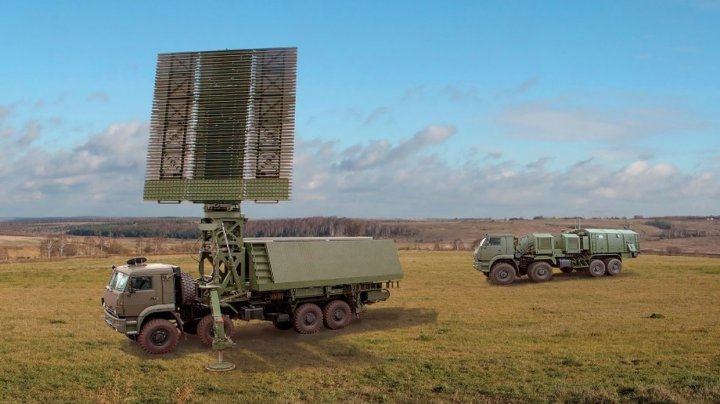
{"type": "Point", "coordinates": [651, 334]}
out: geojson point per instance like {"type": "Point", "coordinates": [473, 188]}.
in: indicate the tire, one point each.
{"type": "Point", "coordinates": [502, 274]}
{"type": "Point", "coordinates": [613, 266]}
{"type": "Point", "coordinates": [206, 332]}
{"type": "Point", "coordinates": [540, 271]}
{"type": "Point", "coordinates": [566, 270]}
{"type": "Point", "coordinates": [158, 336]}
{"type": "Point", "coordinates": [337, 315]}
{"type": "Point", "coordinates": [596, 268]}
{"type": "Point", "coordinates": [307, 319]}
{"type": "Point", "coordinates": [188, 289]}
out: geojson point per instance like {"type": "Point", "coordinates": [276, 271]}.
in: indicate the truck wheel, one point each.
{"type": "Point", "coordinates": [206, 332]}
{"type": "Point", "coordinates": [613, 266]}
{"type": "Point", "coordinates": [158, 336]}
{"type": "Point", "coordinates": [540, 271]}
{"type": "Point", "coordinates": [596, 268]}
{"type": "Point", "coordinates": [307, 319]}
{"type": "Point", "coordinates": [188, 289]}
{"type": "Point", "coordinates": [337, 314]}
{"type": "Point", "coordinates": [502, 274]}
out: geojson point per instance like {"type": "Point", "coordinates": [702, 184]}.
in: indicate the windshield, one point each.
{"type": "Point", "coordinates": [482, 243]}
{"type": "Point", "coordinates": [118, 281]}
{"type": "Point", "coordinates": [113, 280]}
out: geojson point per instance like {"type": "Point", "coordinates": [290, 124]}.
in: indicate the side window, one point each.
{"type": "Point", "coordinates": [142, 282]}
{"type": "Point", "coordinates": [494, 241]}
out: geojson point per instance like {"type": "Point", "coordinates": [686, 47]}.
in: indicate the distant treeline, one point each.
{"type": "Point", "coordinates": [143, 229]}
{"type": "Point", "coordinates": [327, 227]}
{"type": "Point", "coordinates": [304, 227]}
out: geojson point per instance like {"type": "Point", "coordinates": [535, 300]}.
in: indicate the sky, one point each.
{"type": "Point", "coordinates": [405, 109]}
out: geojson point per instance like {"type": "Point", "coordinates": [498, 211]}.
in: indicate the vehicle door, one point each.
{"type": "Point", "coordinates": [493, 247]}
{"type": "Point", "coordinates": [141, 292]}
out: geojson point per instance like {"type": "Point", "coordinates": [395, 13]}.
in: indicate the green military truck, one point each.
{"type": "Point", "coordinates": [300, 283]}
{"type": "Point", "coordinates": [503, 258]}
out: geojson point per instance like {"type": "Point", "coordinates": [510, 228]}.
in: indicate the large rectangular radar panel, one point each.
{"type": "Point", "coordinates": [222, 127]}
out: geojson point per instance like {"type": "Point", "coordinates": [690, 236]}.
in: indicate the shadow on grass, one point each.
{"type": "Point", "coordinates": [563, 277]}
{"type": "Point", "coordinates": [261, 347]}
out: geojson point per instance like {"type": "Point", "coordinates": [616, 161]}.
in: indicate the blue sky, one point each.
{"type": "Point", "coordinates": [404, 109]}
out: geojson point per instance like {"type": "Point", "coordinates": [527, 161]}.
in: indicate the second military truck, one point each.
{"type": "Point", "coordinates": [300, 283]}
{"type": "Point", "coordinates": [597, 252]}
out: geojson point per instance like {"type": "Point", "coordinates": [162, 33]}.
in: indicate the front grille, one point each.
{"type": "Point", "coordinates": [110, 310]}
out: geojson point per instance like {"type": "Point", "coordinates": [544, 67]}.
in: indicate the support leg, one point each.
{"type": "Point", "coordinates": [221, 341]}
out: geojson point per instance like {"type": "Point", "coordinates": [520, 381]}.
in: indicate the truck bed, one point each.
{"type": "Point", "coordinates": [298, 262]}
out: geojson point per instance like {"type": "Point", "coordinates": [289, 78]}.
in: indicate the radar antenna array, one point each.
{"type": "Point", "coordinates": [222, 127]}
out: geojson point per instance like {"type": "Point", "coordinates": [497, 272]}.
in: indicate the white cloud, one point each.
{"type": "Point", "coordinates": [421, 184]}
{"type": "Point", "coordinates": [104, 174]}
{"type": "Point", "coordinates": [30, 132]}
{"type": "Point", "coordinates": [380, 152]}
{"type": "Point", "coordinates": [538, 164]}
{"type": "Point", "coordinates": [109, 166]}
{"type": "Point", "coordinates": [643, 169]}
{"type": "Point", "coordinates": [5, 110]}
{"type": "Point", "coordinates": [541, 120]}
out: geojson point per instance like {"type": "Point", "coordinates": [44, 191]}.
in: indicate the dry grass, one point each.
{"type": "Point", "coordinates": [445, 336]}
{"type": "Point", "coordinates": [14, 247]}
{"type": "Point", "coordinates": [19, 241]}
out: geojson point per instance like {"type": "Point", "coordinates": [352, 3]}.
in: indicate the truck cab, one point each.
{"type": "Point", "coordinates": [135, 292]}
{"type": "Point", "coordinates": [492, 248]}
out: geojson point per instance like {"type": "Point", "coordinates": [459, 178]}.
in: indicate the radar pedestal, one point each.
{"type": "Point", "coordinates": [222, 132]}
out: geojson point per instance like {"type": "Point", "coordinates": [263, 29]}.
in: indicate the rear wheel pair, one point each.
{"type": "Point", "coordinates": [504, 273]}
{"type": "Point", "coordinates": [609, 266]}
{"type": "Point", "coordinates": [613, 266]}
{"type": "Point", "coordinates": [540, 271]}
{"type": "Point", "coordinates": [309, 318]}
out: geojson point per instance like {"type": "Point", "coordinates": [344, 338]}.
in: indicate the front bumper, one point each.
{"type": "Point", "coordinates": [120, 325]}
{"type": "Point", "coordinates": [481, 266]}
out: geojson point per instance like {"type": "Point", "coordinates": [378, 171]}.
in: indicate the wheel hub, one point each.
{"type": "Point", "coordinates": [310, 319]}
{"type": "Point", "coordinates": [159, 337]}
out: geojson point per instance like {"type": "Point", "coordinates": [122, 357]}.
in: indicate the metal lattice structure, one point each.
{"type": "Point", "coordinates": [222, 127]}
